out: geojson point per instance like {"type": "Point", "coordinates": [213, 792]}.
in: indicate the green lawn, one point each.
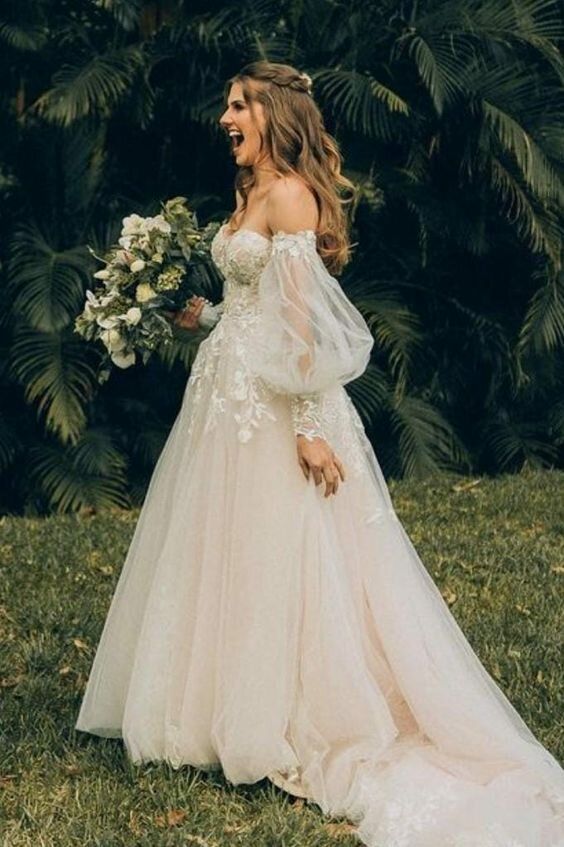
{"type": "Point", "coordinates": [496, 549]}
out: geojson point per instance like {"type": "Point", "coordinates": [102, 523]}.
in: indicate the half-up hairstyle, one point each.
{"type": "Point", "coordinates": [298, 143]}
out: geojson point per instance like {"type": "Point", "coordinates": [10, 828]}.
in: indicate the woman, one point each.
{"type": "Point", "coordinates": [284, 627]}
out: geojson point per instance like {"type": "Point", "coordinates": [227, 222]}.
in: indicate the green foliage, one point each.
{"type": "Point", "coordinates": [450, 119]}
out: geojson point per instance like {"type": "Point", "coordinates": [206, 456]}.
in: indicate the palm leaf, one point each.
{"type": "Point", "coordinates": [427, 442]}
{"type": "Point", "coordinates": [542, 330]}
{"type": "Point", "coordinates": [48, 284]}
{"type": "Point", "coordinates": [518, 443]}
{"type": "Point", "coordinates": [90, 473]}
{"type": "Point", "coordinates": [437, 68]}
{"type": "Point", "coordinates": [396, 329]}
{"type": "Point", "coordinates": [370, 393]}
{"type": "Point", "coordinates": [53, 371]}
{"type": "Point", "coordinates": [535, 168]}
{"type": "Point", "coordinates": [531, 223]}
{"type": "Point", "coordinates": [24, 37]}
{"type": "Point", "coordinates": [366, 104]}
{"type": "Point", "coordinates": [93, 88]}
{"type": "Point", "coordinates": [125, 12]}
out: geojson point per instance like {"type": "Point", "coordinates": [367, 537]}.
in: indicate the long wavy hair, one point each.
{"type": "Point", "coordinates": [298, 143]}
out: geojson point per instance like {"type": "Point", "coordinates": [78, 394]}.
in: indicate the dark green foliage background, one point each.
{"type": "Point", "coordinates": [450, 118]}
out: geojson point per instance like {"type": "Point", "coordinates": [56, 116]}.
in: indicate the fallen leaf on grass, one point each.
{"type": "Point", "coordinates": [72, 770]}
{"type": "Point", "coordinates": [557, 569]}
{"type": "Point", "coordinates": [339, 830]}
{"type": "Point", "coordinates": [449, 595]}
{"type": "Point", "coordinates": [80, 644]}
{"type": "Point", "coordinates": [172, 818]}
{"type": "Point", "coordinates": [11, 681]}
{"type": "Point", "coordinates": [464, 486]}
{"type": "Point", "coordinates": [65, 670]}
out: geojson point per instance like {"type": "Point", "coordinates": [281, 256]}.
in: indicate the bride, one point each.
{"type": "Point", "coordinates": [272, 617]}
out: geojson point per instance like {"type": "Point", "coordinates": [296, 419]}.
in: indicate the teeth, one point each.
{"type": "Point", "coordinates": [236, 136]}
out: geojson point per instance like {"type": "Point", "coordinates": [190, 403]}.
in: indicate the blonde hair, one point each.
{"type": "Point", "coordinates": [298, 143]}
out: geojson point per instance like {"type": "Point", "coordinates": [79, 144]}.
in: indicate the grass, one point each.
{"type": "Point", "coordinates": [495, 548]}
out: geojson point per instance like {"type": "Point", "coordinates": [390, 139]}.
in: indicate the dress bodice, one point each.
{"type": "Point", "coordinates": [240, 256]}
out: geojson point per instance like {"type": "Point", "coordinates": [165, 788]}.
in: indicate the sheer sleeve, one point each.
{"type": "Point", "coordinates": [310, 337]}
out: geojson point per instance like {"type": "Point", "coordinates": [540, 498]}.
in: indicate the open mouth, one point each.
{"type": "Point", "coordinates": [236, 139]}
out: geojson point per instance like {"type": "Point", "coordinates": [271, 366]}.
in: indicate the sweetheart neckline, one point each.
{"type": "Point", "coordinates": [266, 237]}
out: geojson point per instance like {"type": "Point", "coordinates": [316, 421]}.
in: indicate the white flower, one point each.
{"type": "Point", "coordinates": [157, 257]}
{"type": "Point", "coordinates": [103, 274]}
{"type": "Point", "coordinates": [132, 316]}
{"type": "Point", "coordinates": [144, 292]}
{"type": "Point", "coordinates": [132, 225]}
{"type": "Point", "coordinates": [107, 323]}
{"type": "Point", "coordinates": [112, 340]}
{"type": "Point", "coordinates": [158, 223]}
{"type": "Point", "coordinates": [123, 360]}
{"type": "Point", "coordinates": [107, 298]}
{"type": "Point", "coordinates": [88, 314]}
{"type": "Point", "coordinates": [125, 241]}
{"type": "Point", "coordinates": [122, 257]}
{"type": "Point", "coordinates": [137, 265]}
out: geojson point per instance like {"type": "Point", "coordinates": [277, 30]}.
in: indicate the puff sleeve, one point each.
{"type": "Point", "coordinates": [309, 336]}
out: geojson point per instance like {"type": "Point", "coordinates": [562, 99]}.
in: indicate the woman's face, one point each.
{"type": "Point", "coordinates": [244, 127]}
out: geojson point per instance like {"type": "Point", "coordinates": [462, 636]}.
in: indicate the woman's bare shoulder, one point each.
{"type": "Point", "coordinates": [291, 205]}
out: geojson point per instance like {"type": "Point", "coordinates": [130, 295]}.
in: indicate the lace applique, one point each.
{"type": "Point", "coordinates": [232, 390]}
{"type": "Point", "coordinates": [295, 243]}
{"type": "Point", "coordinates": [401, 818]}
{"type": "Point", "coordinates": [307, 412]}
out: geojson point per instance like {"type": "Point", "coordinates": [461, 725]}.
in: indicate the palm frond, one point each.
{"type": "Point", "coordinates": [364, 103]}
{"type": "Point", "coordinates": [53, 371]}
{"type": "Point", "coordinates": [396, 329]}
{"type": "Point", "coordinates": [21, 36]}
{"type": "Point", "coordinates": [438, 68]}
{"type": "Point", "coordinates": [47, 284]}
{"type": "Point", "coordinates": [371, 393]}
{"type": "Point", "coordinates": [535, 168]}
{"type": "Point", "coordinates": [542, 330]}
{"type": "Point", "coordinates": [93, 88]}
{"type": "Point", "coordinates": [427, 441]}
{"type": "Point", "coordinates": [125, 12]}
{"type": "Point", "coordinates": [90, 473]}
{"type": "Point", "coordinates": [518, 443]}
{"type": "Point", "coordinates": [531, 223]}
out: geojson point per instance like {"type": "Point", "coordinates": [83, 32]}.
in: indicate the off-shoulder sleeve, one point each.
{"type": "Point", "coordinates": [309, 336]}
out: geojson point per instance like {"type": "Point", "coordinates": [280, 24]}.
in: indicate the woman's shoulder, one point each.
{"type": "Point", "coordinates": [291, 205]}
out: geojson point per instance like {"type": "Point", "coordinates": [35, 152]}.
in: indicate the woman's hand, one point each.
{"type": "Point", "coordinates": [188, 318]}
{"type": "Point", "coordinates": [318, 458]}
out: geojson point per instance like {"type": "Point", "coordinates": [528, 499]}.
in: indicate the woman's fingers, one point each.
{"type": "Point", "coordinates": [331, 479]}
{"type": "Point", "coordinates": [188, 317]}
{"type": "Point", "coordinates": [340, 467]}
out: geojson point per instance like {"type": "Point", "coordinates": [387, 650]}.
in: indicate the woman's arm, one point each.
{"type": "Point", "coordinates": [292, 208]}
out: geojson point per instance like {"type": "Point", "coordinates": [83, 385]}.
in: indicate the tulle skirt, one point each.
{"type": "Point", "coordinates": [260, 627]}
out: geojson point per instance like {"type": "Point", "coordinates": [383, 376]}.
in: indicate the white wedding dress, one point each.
{"type": "Point", "coordinates": [262, 628]}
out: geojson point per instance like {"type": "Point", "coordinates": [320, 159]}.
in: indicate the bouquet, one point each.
{"type": "Point", "coordinates": [146, 274]}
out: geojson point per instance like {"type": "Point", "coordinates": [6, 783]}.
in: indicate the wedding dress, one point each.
{"type": "Point", "coordinates": [262, 628]}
